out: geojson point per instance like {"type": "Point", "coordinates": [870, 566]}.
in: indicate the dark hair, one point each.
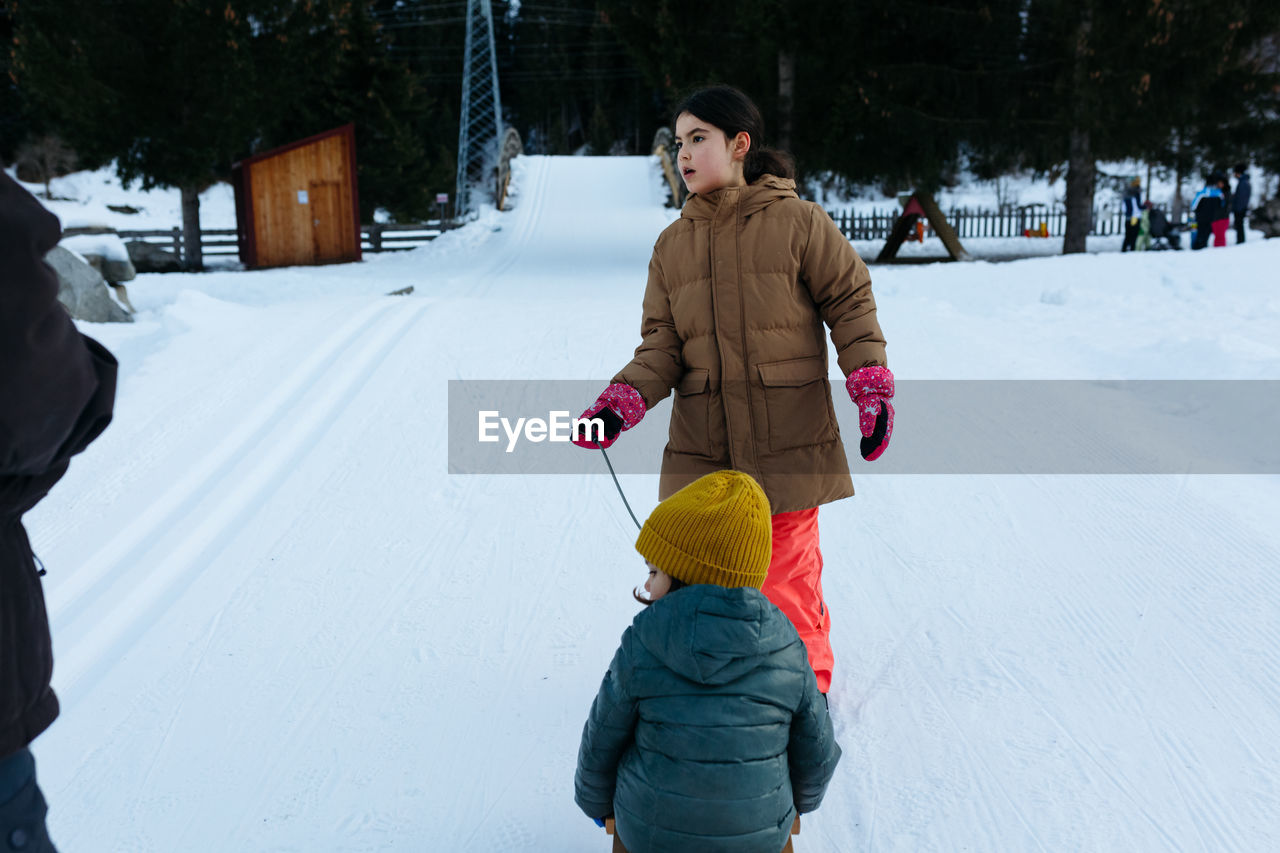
{"type": "Point", "coordinates": [731, 111]}
{"type": "Point", "coordinates": [676, 583]}
{"type": "Point", "coordinates": [1241, 168]}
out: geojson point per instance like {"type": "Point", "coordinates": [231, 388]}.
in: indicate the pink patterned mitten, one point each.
{"type": "Point", "coordinates": [870, 389]}
{"type": "Point", "coordinates": [620, 407]}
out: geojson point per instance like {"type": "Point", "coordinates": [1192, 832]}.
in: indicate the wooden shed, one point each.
{"type": "Point", "coordinates": [298, 204]}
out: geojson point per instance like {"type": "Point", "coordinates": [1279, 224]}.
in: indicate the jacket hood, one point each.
{"type": "Point", "coordinates": [713, 635]}
{"type": "Point", "coordinates": [750, 199]}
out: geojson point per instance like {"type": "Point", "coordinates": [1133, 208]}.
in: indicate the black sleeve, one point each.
{"type": "Point", "coordinates": [57, 387]}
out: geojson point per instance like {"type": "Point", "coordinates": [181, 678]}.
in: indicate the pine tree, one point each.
{"type": "Point", "coordinates": [871, 91]}
{"type": "Point", "coordinates": [1219, 88]}
{"type": "Point", "coordinates": [1162, 78]}
{"type": "Point", "coordinates": [916, 88]}
{"type": "Point", "coordinates": [15, 122]}
{"type": "Point", "coordinates": [567, 81]}
{"type": "Point", "coordinates": [169, 90]}
{"type": "Point", "coordinates": [332, 63]}
{"type": "Point", "coordinates": [175, 91]}
{"type": "Point", "coordinates": [680, 46]}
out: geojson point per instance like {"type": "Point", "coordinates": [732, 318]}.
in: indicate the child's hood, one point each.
{"type": "Point", "coordinates": [713, 635]}
{"type": "Point", "coordinates": [752, 198]}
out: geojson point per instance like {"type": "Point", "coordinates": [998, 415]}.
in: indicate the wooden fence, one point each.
{"type": "Point", "coordinates": [401, 238]}
{"type": "Point", "coordinates": [1012, 222]}
{"type": "Point", "coordinates": [213, 241]}
{"type": "Point", "coordinates": [224, 242]}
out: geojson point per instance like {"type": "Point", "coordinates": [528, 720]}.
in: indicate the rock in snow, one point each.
{"type": "Point", "coordinates": [82, 289]}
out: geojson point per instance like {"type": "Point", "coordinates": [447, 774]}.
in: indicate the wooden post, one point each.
{"type": "Point", "coordinates": [795, 830]}
{"type": "Point", "coordinates": [942, 227]}
{"type": "Point", "coordinates": [177, 243]}
{"type": "Point", "coordinates": [610, 829]}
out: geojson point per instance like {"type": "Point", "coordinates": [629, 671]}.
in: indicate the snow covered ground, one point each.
{"type": "Point", "coordinates": [281, 625]}
{"type": "Point", "coordinates": [96, 197]}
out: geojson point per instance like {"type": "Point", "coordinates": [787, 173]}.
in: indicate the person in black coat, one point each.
{"type": "Point", "coordinates": [57, 389]}
{"type": "Point", "coordinates": [1132, 203]}
{"type": "Point", "coordinates": [1160, 227]}
{"type": "Point", "coordinates": [1240, 200]}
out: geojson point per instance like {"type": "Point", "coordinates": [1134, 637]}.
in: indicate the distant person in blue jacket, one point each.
{"type": "Point", "coordinates": [1208, 206]}
{"type": "Point", "coordinates": [57, 389]}
{"type": "Point", "coordinates": [708, 732]}
{"type": "Point", "coordinates": [1132, 203]}
{"type": "Point", "coordinates": [1240, 200]}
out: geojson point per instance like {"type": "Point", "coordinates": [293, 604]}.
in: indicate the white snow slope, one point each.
{"type": "Point", "coordinates": [281, 625]}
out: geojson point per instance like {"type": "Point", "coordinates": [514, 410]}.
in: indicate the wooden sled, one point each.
{"type": "Point", "coordinates": [619, 848]}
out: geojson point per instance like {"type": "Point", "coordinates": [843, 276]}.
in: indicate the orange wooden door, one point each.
{"type": "Point", "coordinates": [328, 226]}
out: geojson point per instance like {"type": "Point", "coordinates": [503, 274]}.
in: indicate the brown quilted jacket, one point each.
{"type": "Point", "coordinates": [739, 289]}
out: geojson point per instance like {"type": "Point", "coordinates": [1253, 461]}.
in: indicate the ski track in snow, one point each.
{"type": "Point", "coordinates": [279, 623]}
{"type": "Point", "coordinates": [211, 501]}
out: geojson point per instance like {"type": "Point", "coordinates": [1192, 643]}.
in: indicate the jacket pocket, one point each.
{"type": "Point", "coordinates": [690, 430]}
{"type": "Point", "coordinates": [797, 402]}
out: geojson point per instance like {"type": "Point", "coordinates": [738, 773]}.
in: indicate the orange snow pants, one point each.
{"type": "Point", "coordinates": [794, 584]}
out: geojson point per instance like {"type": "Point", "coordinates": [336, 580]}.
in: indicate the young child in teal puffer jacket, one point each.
{"type": "Point", "coordinates": [708, 733]}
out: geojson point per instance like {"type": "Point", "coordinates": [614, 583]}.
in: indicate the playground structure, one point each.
{"type": "Point", "coordinates": [921, 208]}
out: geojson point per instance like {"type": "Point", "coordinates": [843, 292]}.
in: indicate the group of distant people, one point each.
{"type": "Point", "coordinates": [1212, 211]}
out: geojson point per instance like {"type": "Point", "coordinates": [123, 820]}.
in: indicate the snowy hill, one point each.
{"type": "Point", "coordinates": [280, 624]}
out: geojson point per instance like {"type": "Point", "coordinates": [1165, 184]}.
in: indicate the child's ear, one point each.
{"type": "Point", "coordinates": [741, 145]}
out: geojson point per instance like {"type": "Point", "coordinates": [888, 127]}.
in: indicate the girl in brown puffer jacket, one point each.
{"type": "Point", "coordinates": [739, 289]}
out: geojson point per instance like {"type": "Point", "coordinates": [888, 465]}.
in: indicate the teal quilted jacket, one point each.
{"type": "Point", "coordinates": [708, 733]}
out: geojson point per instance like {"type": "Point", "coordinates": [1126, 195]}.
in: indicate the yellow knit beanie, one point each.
{"type": "Point", "coordinates": [715, 530]}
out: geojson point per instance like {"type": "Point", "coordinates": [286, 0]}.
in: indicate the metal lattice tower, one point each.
{"type": "Point", "coordinates": [480, 124]}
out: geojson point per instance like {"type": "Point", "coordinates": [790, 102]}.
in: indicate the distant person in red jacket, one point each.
{"type": "Point", "coordinates": [57, 388]}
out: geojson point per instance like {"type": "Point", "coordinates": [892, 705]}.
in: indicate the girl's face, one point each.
{"type": "Point", "coordinates": [658, 584]}
{"type": "Point", "coordinates": [708, 160]}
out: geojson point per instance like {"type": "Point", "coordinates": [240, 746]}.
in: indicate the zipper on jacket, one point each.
{"type": "Point", "coordinates": [39, 564]}
{"type": "Point", "coordinates": [742, 326]}
{"type": "Point", "coordinates": [712, 242]}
